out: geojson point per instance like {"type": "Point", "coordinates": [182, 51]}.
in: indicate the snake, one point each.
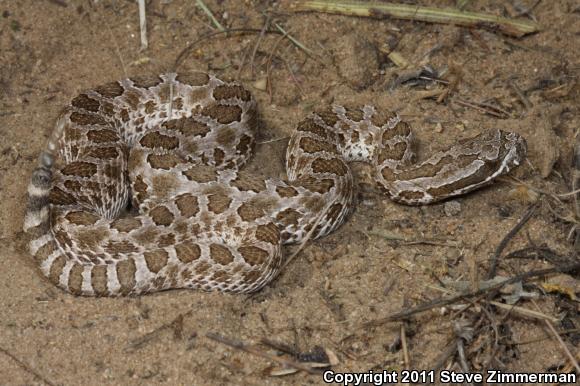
{"type": "Point", "coordinates": [141, 187]}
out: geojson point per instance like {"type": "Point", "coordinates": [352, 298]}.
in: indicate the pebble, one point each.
{"type": "Point", "coordinates": [452, 208]}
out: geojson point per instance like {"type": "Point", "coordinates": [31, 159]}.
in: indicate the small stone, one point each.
{"type": "Point", "coordinates": [261, 84]}
{"type": "Point", "coordinates": [452, 208]}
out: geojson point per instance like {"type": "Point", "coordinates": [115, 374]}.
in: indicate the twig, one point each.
{"type": "Point", "coordinates": [268, 65]}
{"type": "Point", "coordinates": [143, 25]}
{"type": "Point", "coordinates": [117, 49]}
{"type": "Point", "coordinates": [485, 108]}
{"type": "Point", "coordinates": [26, 368]}
{"type": "Point", "coordinates": [260, 37]}
{"type": "Point", "coordinates": [446, 353]}
{"type": "Point", "coordinates": [445, 301]}
{"type": "Point", "coordinates": [184, 52]}
{"type": "Point", "coordinates": [406, 241]}
{"type": "Point", "coordinates": [307, 50]}
{"type": "Point", "coordinates": [293, 77]}
{"type": "Point", "coordinates": [404, 346]}
{"type": "Point", "coordinates": [559, 338]}
{"type": "Point", "coordinates": [527, 104]}
{"type": "Point", "coordinates": [209, 14]}
{"type": "Point", "coordinates": [504, 242]}
{"type": "Point", "coordinates": [511, 27]}
{"type": "Point", "coordinates": [254, 350]}
{"type": "Point", "coordinates": [524, 311]}
{"type": "Point", "coordinates": [176, 325]}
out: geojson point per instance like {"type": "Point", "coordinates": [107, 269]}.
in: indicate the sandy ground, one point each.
{"type": "Point", "coordinates": [51, 50]}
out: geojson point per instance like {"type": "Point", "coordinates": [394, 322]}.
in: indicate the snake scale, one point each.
{"type": "Point", "coordinates": [140, 188]}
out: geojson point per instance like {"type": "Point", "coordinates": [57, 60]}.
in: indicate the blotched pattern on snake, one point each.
{"type": "Point", "coordinates": [140, 187]}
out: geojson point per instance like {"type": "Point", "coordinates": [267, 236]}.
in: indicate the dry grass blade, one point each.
{"type": "Point", "coordinates": [524, 311]}
{"type": "Point", "coordinates": [517, 28]}
{"type": "Point", "coordinates": [209, 14]}
{"type": "Point", "coordinates": [256, 351]}
{"type": "Point", "coordinates": [27, 368]}
{"type": "Point", "coordinates": [294, 41]}
{"type": "Point", "coordinates": [143, 25]}
{"type": "Point", "coordinates": [467, 295]}
{"type": "Point", "coordinates": [560, 341]}
{"type": "Point", "coordinates": [504, 242]}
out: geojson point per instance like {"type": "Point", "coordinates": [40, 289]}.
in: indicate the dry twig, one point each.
{"type": "Point", "coordinates": [511, 27]}
{"type": "Point", "coordinates": [143, 25]}
{"type": "Point", "coordinates": [450, 300]}
{"type": "Point", "coordinates": [504, 242]}
{"type": "Point", "coordinates": [210, 15]}
{"type": "Point", "coordinates": [256, 351]}
{"type": "Point", "coordinates": [559, 338]}
{"type": "Point", "coordinates": [27, 368]}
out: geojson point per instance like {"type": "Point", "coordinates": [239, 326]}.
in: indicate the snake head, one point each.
{"type": "Point", "coordinates": [513, 150]}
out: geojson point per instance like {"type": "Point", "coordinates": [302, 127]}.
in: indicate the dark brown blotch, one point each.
{"type": "Point", "coordinates": [60, 197]}
{"type": "Point", "coordinates": [189, 127]}
{"type": "Point", "coordinates": [328, 116]}
{"type": "Point", "coordinates": [187, 251]}
{"type": "Point", "coordinates": [79, 168]}
{"type": "Point", "coordinates": [286, 191]}
{"type": "Point", "coordinates": [161, 215]}
{"type": "Point", "coordinates": [224, 114]}
{"type": "Point", "coordinates": [220, 254]}
{"type": "Point", "coordinates": [249, 212]}
{"type": "Point", "coordinates": [218, 203]}
{"type": "Point", "coordinates": [103, 153]}
{"type": "Point", "coordinates": [110, 90]}
{"type": "Point", "coordinates": [156, 260]}
{"type": "Point", "coordinates": [75, 279]}
{"type": "Point", "coordinates": [231, 91]}
{"type": "Point", "coordinates": [381, 118]}
{"type": "Point", "coordinates": [354, 114]}
{"type": "Point", "coordinates": [83, 101]}
{"type": "Point", "coordinates": [332, 166]}
{"type": "Point", "coordinates": [201, 174]}
{"type": "Point", "coordinates": [163, 161]}
{"type": "Point", "coordinates": [56, 269]}
{"type": "Point", "coordinates": [154, 139]}
{"type": "Point", "coordinates": [126, 270]}
{"type": "Point", "coordinates": [150, 107]}
{"type": "Point", "coordinates": [117, 247]}
{"type": "Point", "coordinates": [246, 182]}
{"type": "Point", "coordinates": [288, 217]}
{"type": "Point", "coordinates": [82, 218]}
{"type": "Point", "coordinates": [99, 280]}
{"type": "Point", "coordinates": [218, 156]}
{"type": "Point", "coordinates": [310, 126]}
{"type": "Point", "coordinates": [193, 79]}
{"type": "Point", "coordinates": [310, 145]}
{"type": "Point", "coordinates": [253, 255]}
{"type": "Point", "coordinates": [402, 129]}
{"type": "Point", "coordinates": [316, 185]}
{"type": "Point", "coordinates": [245, 145]}
{"type": "Point", "coordinates": [268, 233]}
{"type": "Point", "coordinates": [125, 225]}
{"type": "Point", "coordinates": [101, 136]}
{"type": "Point", "coordinates": [146, 81]}
{"type": "Point", "coordinates": [87, 119]}
{"type": "Point", "coordinates": [187, 205]}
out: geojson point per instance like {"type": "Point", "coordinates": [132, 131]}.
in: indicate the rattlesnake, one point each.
{"type": "Point", "coordinates": [140, 190]}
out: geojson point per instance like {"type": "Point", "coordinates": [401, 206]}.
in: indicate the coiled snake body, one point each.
{"type": "Point", "coordinates": [170, 147]}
